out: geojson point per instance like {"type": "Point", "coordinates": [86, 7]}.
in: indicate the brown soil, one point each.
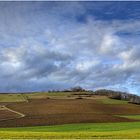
{"type": "Point", "coordinates": [64, 111]}
{"type": "Point", "coordinates": [5, 114]}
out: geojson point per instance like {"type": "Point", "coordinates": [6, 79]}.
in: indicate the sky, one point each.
{"type": "Point", "coordinates": [59, 45]}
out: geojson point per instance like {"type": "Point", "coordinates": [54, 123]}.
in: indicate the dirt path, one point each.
{"type": "Point", "coordinates": [24, 97]}
{"type": "Point", "coordinates": [21, 115]}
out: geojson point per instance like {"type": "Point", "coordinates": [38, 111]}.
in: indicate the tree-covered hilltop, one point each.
{"type": "Point", "coordinates": [119, 95]}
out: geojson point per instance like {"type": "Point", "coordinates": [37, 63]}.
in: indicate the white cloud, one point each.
{"type": "Point", "coordinates": [107, 44]}
{"type": "Point", "coordinates": [86, 65]}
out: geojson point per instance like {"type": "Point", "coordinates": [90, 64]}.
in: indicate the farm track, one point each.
{"type": "Point", "coordinates": [19, 114]}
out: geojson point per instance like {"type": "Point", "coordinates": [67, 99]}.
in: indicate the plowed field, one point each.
{"type": "Point", "coordinates": [66, 111]}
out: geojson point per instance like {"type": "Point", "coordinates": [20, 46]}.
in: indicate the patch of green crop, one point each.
{"type": "Point", "coordinates": [135, 117]}
{"type": "Point", "coordinates": [41, 95]}
{"type": "Point", "coordinates": [112, 101]}
{"type": "Point", "coordinates": [88, 127]}
{"type": "Point", "coordinates": [11, 98]}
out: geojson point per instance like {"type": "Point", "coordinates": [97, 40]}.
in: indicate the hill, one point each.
{"type": "Point", "coordinates": [50, 108]}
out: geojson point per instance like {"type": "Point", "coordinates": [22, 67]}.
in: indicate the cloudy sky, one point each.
{"type": "Point", "coordinates": [58, 45]}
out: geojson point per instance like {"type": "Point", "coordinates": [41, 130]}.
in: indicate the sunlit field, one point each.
{"type": "Point", "coordinates": [82, 131]}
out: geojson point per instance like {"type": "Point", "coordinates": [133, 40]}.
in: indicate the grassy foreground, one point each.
{"type": "Point", "coordinates": [129, 130]}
